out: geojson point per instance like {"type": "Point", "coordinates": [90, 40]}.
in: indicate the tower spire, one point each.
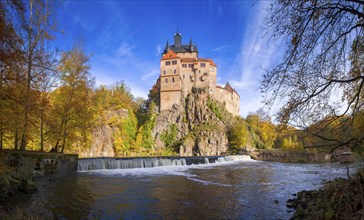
{"type": "Point", "coordinates": [166, 48]}
{"type": "Point", "coordinates": [177, 39]}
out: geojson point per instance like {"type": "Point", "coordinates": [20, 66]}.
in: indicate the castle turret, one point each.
{"type": "Point", "coordinates": [177, 39]}
{"type": "Point", "coordinates": [166, 48]}
{"type": "Point", "coordinates": [190, 47]}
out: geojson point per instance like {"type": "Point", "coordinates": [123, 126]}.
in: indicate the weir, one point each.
{"type": "Point", "coordinates": [148, 162]}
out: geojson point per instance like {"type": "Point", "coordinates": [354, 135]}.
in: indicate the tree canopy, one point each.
{"type": "Point", "coordinates": [321, 74]}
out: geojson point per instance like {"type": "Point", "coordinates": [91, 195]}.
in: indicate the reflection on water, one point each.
{"type": "Point", "coordinates": [240, 190]}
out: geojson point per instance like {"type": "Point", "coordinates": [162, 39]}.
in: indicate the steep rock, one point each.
{"type": "Point", "coordinates": [199, 131]}
{"type": "Point", "coordinates": [103, 140]}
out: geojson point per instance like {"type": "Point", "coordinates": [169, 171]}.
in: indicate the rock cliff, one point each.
{"type": "Point", "coordinates": [103, 135]}
{"type": "Point", "coordinates": [199, 124]}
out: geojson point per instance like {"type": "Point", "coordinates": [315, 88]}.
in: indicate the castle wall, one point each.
{"type": "Point", "coordinates": [168, 98]}
{"type": "Point", "coordinates": [230, 99]}
{"type": "Point", "coordinates": [170, 83]}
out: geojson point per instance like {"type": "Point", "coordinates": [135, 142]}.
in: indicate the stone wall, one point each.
{"type": "Point", "coordinates": [19, 169]}
{"type": "Point", "coordinates": [230, 99]}
{"type": "Point", "coordinates": [289, 156]}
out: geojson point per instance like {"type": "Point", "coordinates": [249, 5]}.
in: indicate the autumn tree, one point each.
{"type": "Point", "coordinates": [261, 126]}
{"type": "Point", "coordinates": [239, 135]}
{"type": "Point", "coordinates": [72, 103]}
{"type": "Point", "coordinates": [323, 42]}
{"type": "Point", "coordinates": [10, 62]}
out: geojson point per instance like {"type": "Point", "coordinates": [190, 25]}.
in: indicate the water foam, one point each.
{"type": "Point", "coordinates": [175, 168]}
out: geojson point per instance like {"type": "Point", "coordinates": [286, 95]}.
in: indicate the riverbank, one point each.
{"type": "Point", "coordinates": [337, 199]}
{"type": "Point", "coordinates": [20, 169]}
{"type": "Point", "coordinates": [291, 156]}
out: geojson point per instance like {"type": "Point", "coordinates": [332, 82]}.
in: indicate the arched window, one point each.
{"type": "Point", "coordinates": [166, 80]}
{"type": "Point", "coordinates": [174, 71]}
{"type": "Point", "coordinates": [172, 79]}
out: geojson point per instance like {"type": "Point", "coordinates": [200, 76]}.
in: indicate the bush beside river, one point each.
{"type": "Point", "coordinates": [337, 199]}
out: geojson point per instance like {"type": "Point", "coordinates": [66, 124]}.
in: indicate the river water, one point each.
{"type": "Point", "coordinates": [244, 189]}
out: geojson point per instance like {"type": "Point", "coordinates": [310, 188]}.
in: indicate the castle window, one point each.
{"type": "Point", "coordinates": [190, 65]}
{"type": "Point", "coordinates": [202, 64]}
{"type": "Point", "coordinates": [172, 79]}
{"type": "Point", "coordinates": [174, 71]}
{"type": "Point", "coordinates": [184, 65]}
{"type": "Point", "coordinates": [164, 72]}
{"type": "Point", "coordinates": [174, 62]}
{"type": "Point", "coordinates": [183, 76]}
{"type": "Point", "coordinates": [166, 80]}
{"type": "Point", "coordinates": [168, 63]}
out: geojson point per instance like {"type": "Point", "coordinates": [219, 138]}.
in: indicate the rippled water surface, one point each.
{"type": "Point", "coordinates": [235, 190]}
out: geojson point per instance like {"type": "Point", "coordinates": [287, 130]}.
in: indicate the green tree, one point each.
{"type": "Point", "coordinates": [238, 135]}
{"type": "Point", "coordinates": [125, 135]}
{"type": "Point", "coordinates": [144, 138]}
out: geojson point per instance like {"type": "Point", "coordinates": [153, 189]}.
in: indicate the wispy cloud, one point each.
{"type": "Point", "coordinates": [220, 48]}
{"type": "Point", "coordinates": [158, 50]}
{"type": "Point", "coordinates": [125, 49]}
{"type": "Point", "coordinates": [220, 11]}
{"type": "Point", "coordinates": [88, 27]}
{"type": "Point", "coordinates": [125, 65]}
{"type": "Point", "coordinates": [151, 76]}
{"type": "Point", "coordinates": [255, 55]}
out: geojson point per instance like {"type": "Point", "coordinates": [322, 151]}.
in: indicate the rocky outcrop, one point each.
{"type": "Point", "coordinates": [200, 132]}
{"type": "Point", "coordinates": [102, 136]}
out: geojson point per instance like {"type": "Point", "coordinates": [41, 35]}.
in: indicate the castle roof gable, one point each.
{"type": "Point", "coordinates": [229, 88]}
{"type": "Point", "coordinates": [170, 55]}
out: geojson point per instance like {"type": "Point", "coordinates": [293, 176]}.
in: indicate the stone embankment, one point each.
{"type": "Point", "coordinates": [338, 199]}
{"type": "Point", "coordinates": [20, 169]}
{"type": "Point", "coordinates": [289, 156]}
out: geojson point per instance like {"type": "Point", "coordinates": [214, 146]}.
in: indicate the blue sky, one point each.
{"type": "Point", "coordinates": [126, 38]}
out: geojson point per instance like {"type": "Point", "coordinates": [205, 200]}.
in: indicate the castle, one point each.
{"type": "Point", "coordinates": [181, 69]}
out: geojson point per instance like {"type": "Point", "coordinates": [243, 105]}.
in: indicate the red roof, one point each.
{"type": "Point", "coordinates": [170, 55]}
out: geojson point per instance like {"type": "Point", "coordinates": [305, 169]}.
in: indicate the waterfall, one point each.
{"type": "Point", "coordinates": [131, 163]}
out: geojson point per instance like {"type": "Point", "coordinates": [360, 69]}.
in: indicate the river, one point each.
{"type": "Point", "coordinates": [244, 189]}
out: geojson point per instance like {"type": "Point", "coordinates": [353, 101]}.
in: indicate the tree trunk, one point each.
{"type": "Point", "coordinates": [24, 138]}
{"type": "Point", "coordinates": [64, 138]}
{"type": "Point", "coordinates": [1, 137]}
{"type": "Point", "coordinates": [41, 132]}
{"type": "Point", "coordinates": [56, 146]}
{"type": "Point", "coordinates": [16, 139]}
